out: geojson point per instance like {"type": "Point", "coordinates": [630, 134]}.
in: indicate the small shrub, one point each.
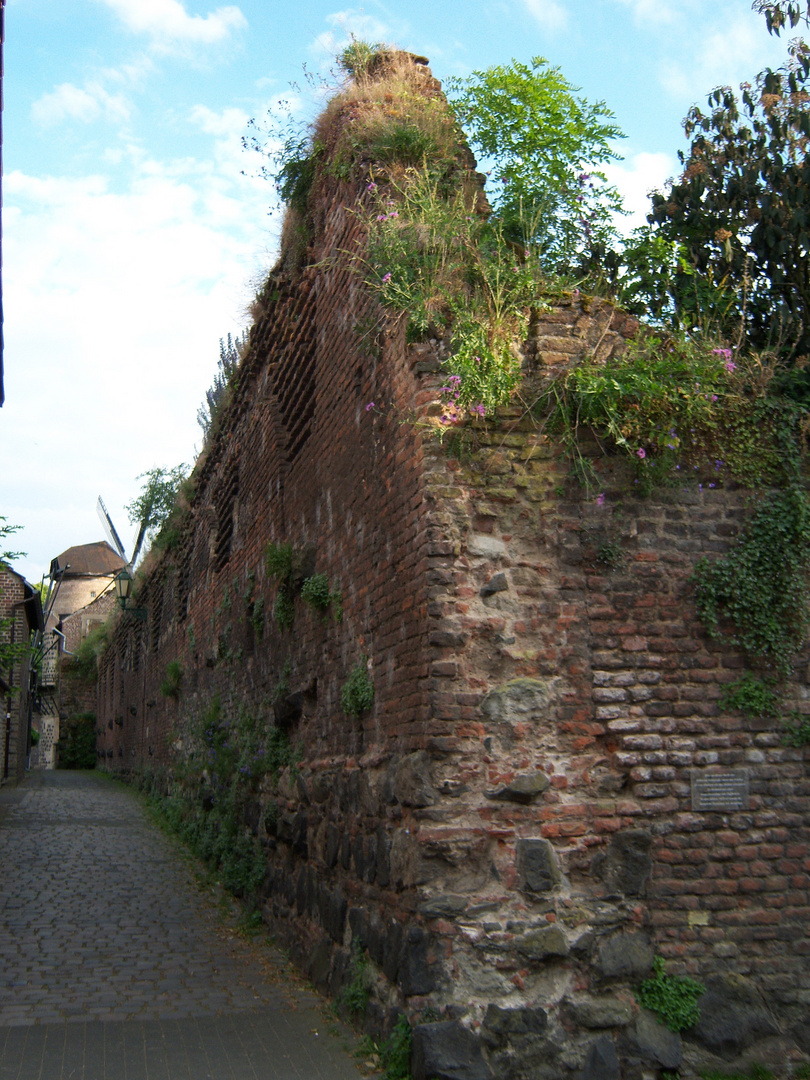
{"type": "Point", "coordinates": [357, 993]}
{"type": "Point", "coordinates": [173, 677]}
{"type": "Point", "coordinates": [674, 405]}
{"type": "Point", "coordinates": [316, 592]}
{"type": "Point", "coordinates": [85, 666]}
{"type": "Point", "coordinates": [673, 997]}
{"type": "Point", "coordinates": [359, 57]}
{"type": "Point", "coordinates": [395, 1052]}
{"type": "Point", "coordinates": [357, 693]}
{"type": "Point", "coordinates": [278, 561]}
{"type": "Point", "coordinates": [393, 1055]}
{"type": "Point", "coordinates": [76, 748]}
{"type": "Point", "coordinates": [284, 608]}
{"type": "Point", "coordinates": [610, 554]}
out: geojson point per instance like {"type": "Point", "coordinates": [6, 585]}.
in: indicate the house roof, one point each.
{"type": "Point", "coordinates": [88, 560]}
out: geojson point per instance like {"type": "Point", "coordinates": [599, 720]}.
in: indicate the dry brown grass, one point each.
{"type": "Point", "coordinates": [394, 114]}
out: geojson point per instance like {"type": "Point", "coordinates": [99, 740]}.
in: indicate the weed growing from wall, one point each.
{"type": "Point", "coordinates": [675, 407]}
{"type": "Point", "coordinates": [436, 261]}
{"type": "Point", "coordinates": [316, 592]}
{"type": "Point", "coordinates": [85, 666]}
{"type": "Point", "coordinates": [751, 696]}
{"type": "Point", "coordinates": [291, 568]}
{"type": "Point", "coordinates": [357, 692]}
{"type": "Point", "coordinates": [76, 748]}
{"type": "Point", "coordinates": [797, 731]}
{"type": "Point", "coordinates": [394, 1053]}
{"type": "Point", "coordinates": [279, 563]}
{"type": "Point", "coordinates": [356, 995]}
{"type": "Point", "coordinates": [673, 997]}
{"type": "Point", "coordinates": [256, 616]}
{"type": "Point", "coordinates": [172, 679]}
{"type": "Point", "coordinates": [219, 776]}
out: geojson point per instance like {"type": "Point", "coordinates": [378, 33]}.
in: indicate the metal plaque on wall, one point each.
{"type": "Point", "coordinates": [725, 790]}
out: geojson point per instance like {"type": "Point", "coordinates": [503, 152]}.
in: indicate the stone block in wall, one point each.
{"type": "Point", "coordinates": [537, 866]}
{"type": "Point", "coordinates": [625, 955]}
{"type": "Point", "coordinates": [652, 1042]}
{"type": "Point", "coordinates": [332, 845]}
{"type": "Point", "coordinates": [447, 1050]}
{"type": "Point", "coordinates": [520, 700]}
{"type": "Point", "coordinates": [443, 906]}
{"type": "Point", "coordinates": [332, 908]}
{"type": "Point", "coordinates": [500, 1025]}
{"type": "Point", "coordinates": [319, 964]}
{"type": "Point", "coordinates": [602, 1062]}
{"type": "Point", "coordinates": [520, 1043]}
{"type": "Point", "coordinates": [383, 857]}
{"type": "Point", "coordinates": [497, 583]}
{"type": "Point", "coordinates": [732, 1016]}
{"type": "Point", "coordinates": [409, 781]}
{"type": "Point", "coordinates": [605, 1011]}
{"type": "Point", "coordinates": [524, 789]}
{"type": "Point", "coordinates": [544, 943]}
{"type": "Point", "coordinates": [415, 972]}
{"type": "Point", "coordinates": [625, 866]}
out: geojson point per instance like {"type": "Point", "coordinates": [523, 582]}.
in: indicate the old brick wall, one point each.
{"type": "Point", "coordinates": [15, 702]}
{"type": "Point", "coordinates": [512, 821]}
{"type": "Point", "coordinates": [510, 827]}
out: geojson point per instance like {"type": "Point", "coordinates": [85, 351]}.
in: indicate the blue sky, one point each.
{"type": "Point", "coordinates": [134, 241]}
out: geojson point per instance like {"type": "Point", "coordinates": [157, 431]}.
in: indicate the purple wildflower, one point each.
{"type": "Point", "coordinates": [600, 499]}
{"type": "Point", "coordinates": [641, 453]}
{"type": "Point", "coordinates": [370, 406]}
{"type": "Point", "coordinates": [386, 278]}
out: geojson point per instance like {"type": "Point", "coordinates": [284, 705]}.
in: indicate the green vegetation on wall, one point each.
{"type": "Point", "coordinates": [217, 780]}
{"type": "Point", "coordinates": [673, 997]}
{"type": "Point", "coordinates": [357, 692]}
{"type": "Point", "coordinates": [76, 748]}
{"type": "Point", "coordinates": [756, 597]}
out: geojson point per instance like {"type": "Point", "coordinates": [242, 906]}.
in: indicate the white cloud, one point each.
{"type": "Point", "coordinates": [635, 179]}
{"type": "Point", "coordinates": [348, 24]}
{"type": "Point", "coordinates": [550, 14]}
{"type": "Point", "coordinates": [86, 104]}
{"type": "Point", "coordinates": [732, 47]}
{"type": "Point", "coordinates": [651, 11]}
{"type": "Point", "coordinates": [115, 301]}
{"type": "Point", "coordinates": [167, 22]}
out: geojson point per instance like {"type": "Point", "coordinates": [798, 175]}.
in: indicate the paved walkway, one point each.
{"type": "Point", "coordinates": [113, 966]}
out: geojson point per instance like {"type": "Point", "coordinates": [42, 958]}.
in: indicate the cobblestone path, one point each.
{"type": "Point", "coordinates": [113, 965]}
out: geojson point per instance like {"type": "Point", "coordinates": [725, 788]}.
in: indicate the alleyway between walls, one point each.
{"type": "Point", "coordinates": [113, 965]}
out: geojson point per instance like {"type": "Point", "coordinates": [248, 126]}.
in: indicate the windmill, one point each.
{"type": "Point", "coordinates": [114, 539]}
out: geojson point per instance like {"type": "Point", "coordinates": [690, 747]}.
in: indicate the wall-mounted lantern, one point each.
{"type": "Point", "coordinates": [123, 592]}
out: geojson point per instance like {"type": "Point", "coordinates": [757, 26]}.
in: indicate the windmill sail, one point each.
{"type": "Point", "coordinates": [112, 536]}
